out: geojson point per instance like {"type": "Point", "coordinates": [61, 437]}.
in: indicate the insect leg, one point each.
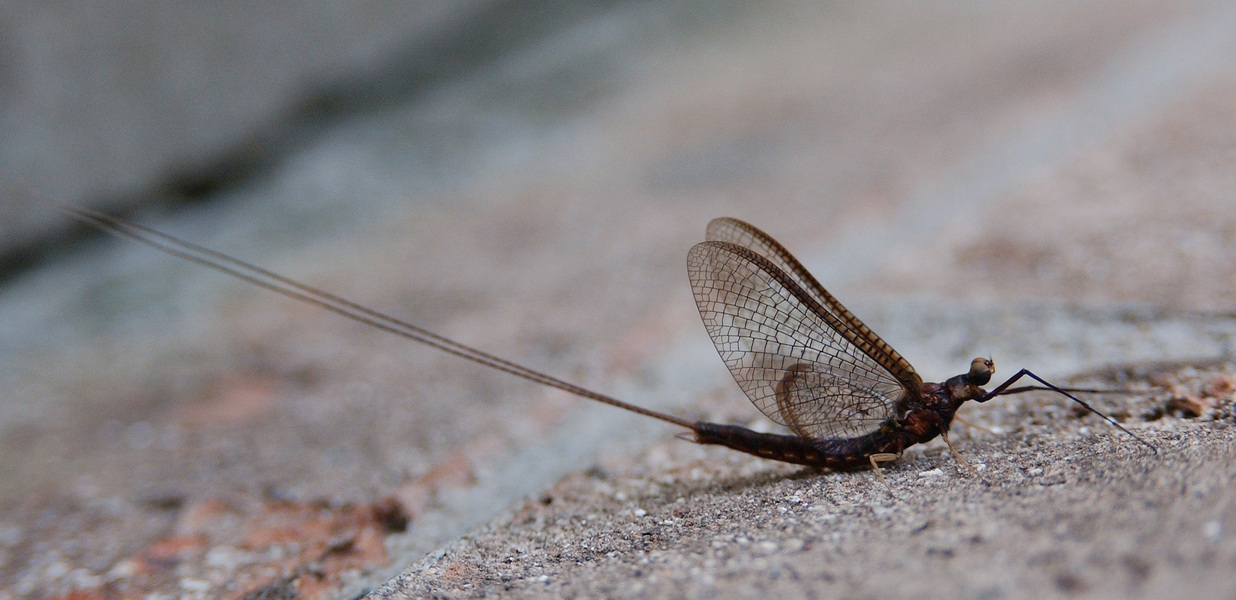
{"type": "Point", "coordinates": [1004, 389]}
{"type": "Point", "coordinates": [973, 425]}
{"type": "Point", "coordinates": [879, 458]}
{"type": "Point", "coordinates": [957, 455]}
{"type": "Point", "coordinates": [1032, 388]}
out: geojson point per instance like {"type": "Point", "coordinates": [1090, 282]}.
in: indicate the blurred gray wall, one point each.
{"type": "Point", "coordinates": [114, 104]}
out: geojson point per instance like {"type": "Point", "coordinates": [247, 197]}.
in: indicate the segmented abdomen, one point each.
{"type": "Point", "coordinates": [830, 453]}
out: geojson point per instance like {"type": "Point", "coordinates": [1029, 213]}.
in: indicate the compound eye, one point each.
{"type": "Point", "coordinates": [981, 370]}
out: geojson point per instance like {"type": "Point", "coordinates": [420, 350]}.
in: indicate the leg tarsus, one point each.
{"type": "Point", "coordinates": [879, 458]}
{"type": "Point", "coordinates": [957, 455]}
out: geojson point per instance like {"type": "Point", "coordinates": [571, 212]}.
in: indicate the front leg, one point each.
{"type": "Point", "coordinates": [1004, 389]}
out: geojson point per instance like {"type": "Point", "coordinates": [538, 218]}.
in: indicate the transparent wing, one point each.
{"type": "Point", "coordinates": [787, 352]}
{"type": "Point", "coordinates": [734, 231]}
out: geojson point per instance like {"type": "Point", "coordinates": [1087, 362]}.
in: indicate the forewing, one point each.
{"type": "Point", "coordinates": [785, 350]}
{"type": "Point", "coordinates": [734, 231]}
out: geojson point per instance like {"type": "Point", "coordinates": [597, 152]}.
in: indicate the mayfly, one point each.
{"type": "Point", "coordinates": [803, 359]}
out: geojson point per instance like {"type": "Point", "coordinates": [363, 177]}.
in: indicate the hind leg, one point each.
{"type": "Point", "coordinates": [879, 458]}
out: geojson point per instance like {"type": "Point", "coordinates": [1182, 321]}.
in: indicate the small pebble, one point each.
{"type": "Point", "coordinates": [1212, 530]}
{"type": "Point", "coordinates": [192, 584]}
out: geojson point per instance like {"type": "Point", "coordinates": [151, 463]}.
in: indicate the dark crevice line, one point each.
{"type": "Point", "coordinates": [419, 66]}
{"type": "Point", "coordinates": [422, 64]}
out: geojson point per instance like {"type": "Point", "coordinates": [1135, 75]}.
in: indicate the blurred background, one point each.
{"type": "Point", "coordinates": [1049, 184]}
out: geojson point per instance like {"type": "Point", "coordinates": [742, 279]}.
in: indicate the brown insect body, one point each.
{"type": "Point", "coordinates": [920, 419]}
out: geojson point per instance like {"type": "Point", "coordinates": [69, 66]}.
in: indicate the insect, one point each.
{"type": "Point", "coordinates": [801, 357]}
{"type": "Point", "coordinates": [809, 364]}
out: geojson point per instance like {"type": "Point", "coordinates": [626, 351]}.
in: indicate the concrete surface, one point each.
{"type": "Point", "coordinates": [1058, 511]}
{"type": "Point", "coordinates": [1049, 185]}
